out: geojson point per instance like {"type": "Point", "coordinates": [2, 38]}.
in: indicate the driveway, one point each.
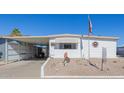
{"type": "Point", "coordinates": [29, 69]}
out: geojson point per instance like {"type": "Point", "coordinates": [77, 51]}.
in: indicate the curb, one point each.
{"type": "Point", "coordinates": [42, 68]}
{"type": "Point", "coordinates": [84, 77]}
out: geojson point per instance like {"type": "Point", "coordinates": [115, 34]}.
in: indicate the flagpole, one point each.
{"type": "Point", "coordinates": [88, 39]}
{"type": "Point", "coordinates": [89, 46]}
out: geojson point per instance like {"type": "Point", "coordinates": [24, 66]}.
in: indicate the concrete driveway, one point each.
{"type": "Point", "coordinates": [29, 69]}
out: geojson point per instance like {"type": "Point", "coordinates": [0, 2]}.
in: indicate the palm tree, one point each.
{"type": "Point", "coordinates": [16, 32]}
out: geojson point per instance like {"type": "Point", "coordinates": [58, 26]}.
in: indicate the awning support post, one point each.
{"type": "Point", "coordinates": [6, 50]}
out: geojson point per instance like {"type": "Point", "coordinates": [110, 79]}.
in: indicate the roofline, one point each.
{"type": "Point", "coordinates": [63, 35]}
{"type": "Point", "coordinates": [25, 36]}
{"type": "Point", "coordinates": [101, 37]}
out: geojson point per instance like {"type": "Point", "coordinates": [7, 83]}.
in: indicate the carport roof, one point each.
{"type": "Point", "coordinates": [45, 39]}
{"type": "Point", "coordinates": [31, 39]}
{"type": "Point", "coordinates": [39, 39]}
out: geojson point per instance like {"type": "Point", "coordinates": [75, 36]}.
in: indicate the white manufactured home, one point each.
{"type": "Point", "coordinates": [77, 46]}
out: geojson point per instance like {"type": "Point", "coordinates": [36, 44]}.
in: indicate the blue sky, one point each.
{"type": "Point", "coordinates": [46, 24]}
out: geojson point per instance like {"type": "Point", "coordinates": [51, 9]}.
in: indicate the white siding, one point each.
{"type": "Point", "coordinates": [51, 48]}
{"type": "Point", "coordinates": [109, 45]}
{"type": "Point", "coordinates": [59, 53]}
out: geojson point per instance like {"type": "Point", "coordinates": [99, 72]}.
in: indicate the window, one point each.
{"type": "Point", "coordinates": [65, 46]}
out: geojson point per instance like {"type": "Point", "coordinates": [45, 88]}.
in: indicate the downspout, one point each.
{"type": "Point", "coordinates": [81, 47]}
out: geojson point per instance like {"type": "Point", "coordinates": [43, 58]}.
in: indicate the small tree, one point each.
{"type": "Point", "coordinates": [16, 32]}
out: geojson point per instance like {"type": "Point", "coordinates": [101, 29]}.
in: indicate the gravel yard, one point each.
{"type": "Point", "coordinates": [79, 67]}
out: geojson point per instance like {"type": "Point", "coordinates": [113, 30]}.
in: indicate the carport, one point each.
{"type": "Point", "coordinates": [25, 47]}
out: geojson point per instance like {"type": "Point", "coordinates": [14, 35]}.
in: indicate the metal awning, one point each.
{"type": "Point", "coordinates": [66, 40]}
{"type": "Point", "coordinates": [31, 39]}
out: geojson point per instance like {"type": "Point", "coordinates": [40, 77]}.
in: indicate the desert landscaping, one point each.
{"type": "Point", "coordinates": [81, 67]}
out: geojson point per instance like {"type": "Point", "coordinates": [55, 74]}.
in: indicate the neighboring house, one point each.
{"type": "Point", "coordinates": [13, 50]}
{"type": "Point", "coordinates": [77, 46]}
{"type": "Point", "coordinates": [2, 49]}
{"type": "Point", "coordinates": [120, 51]}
